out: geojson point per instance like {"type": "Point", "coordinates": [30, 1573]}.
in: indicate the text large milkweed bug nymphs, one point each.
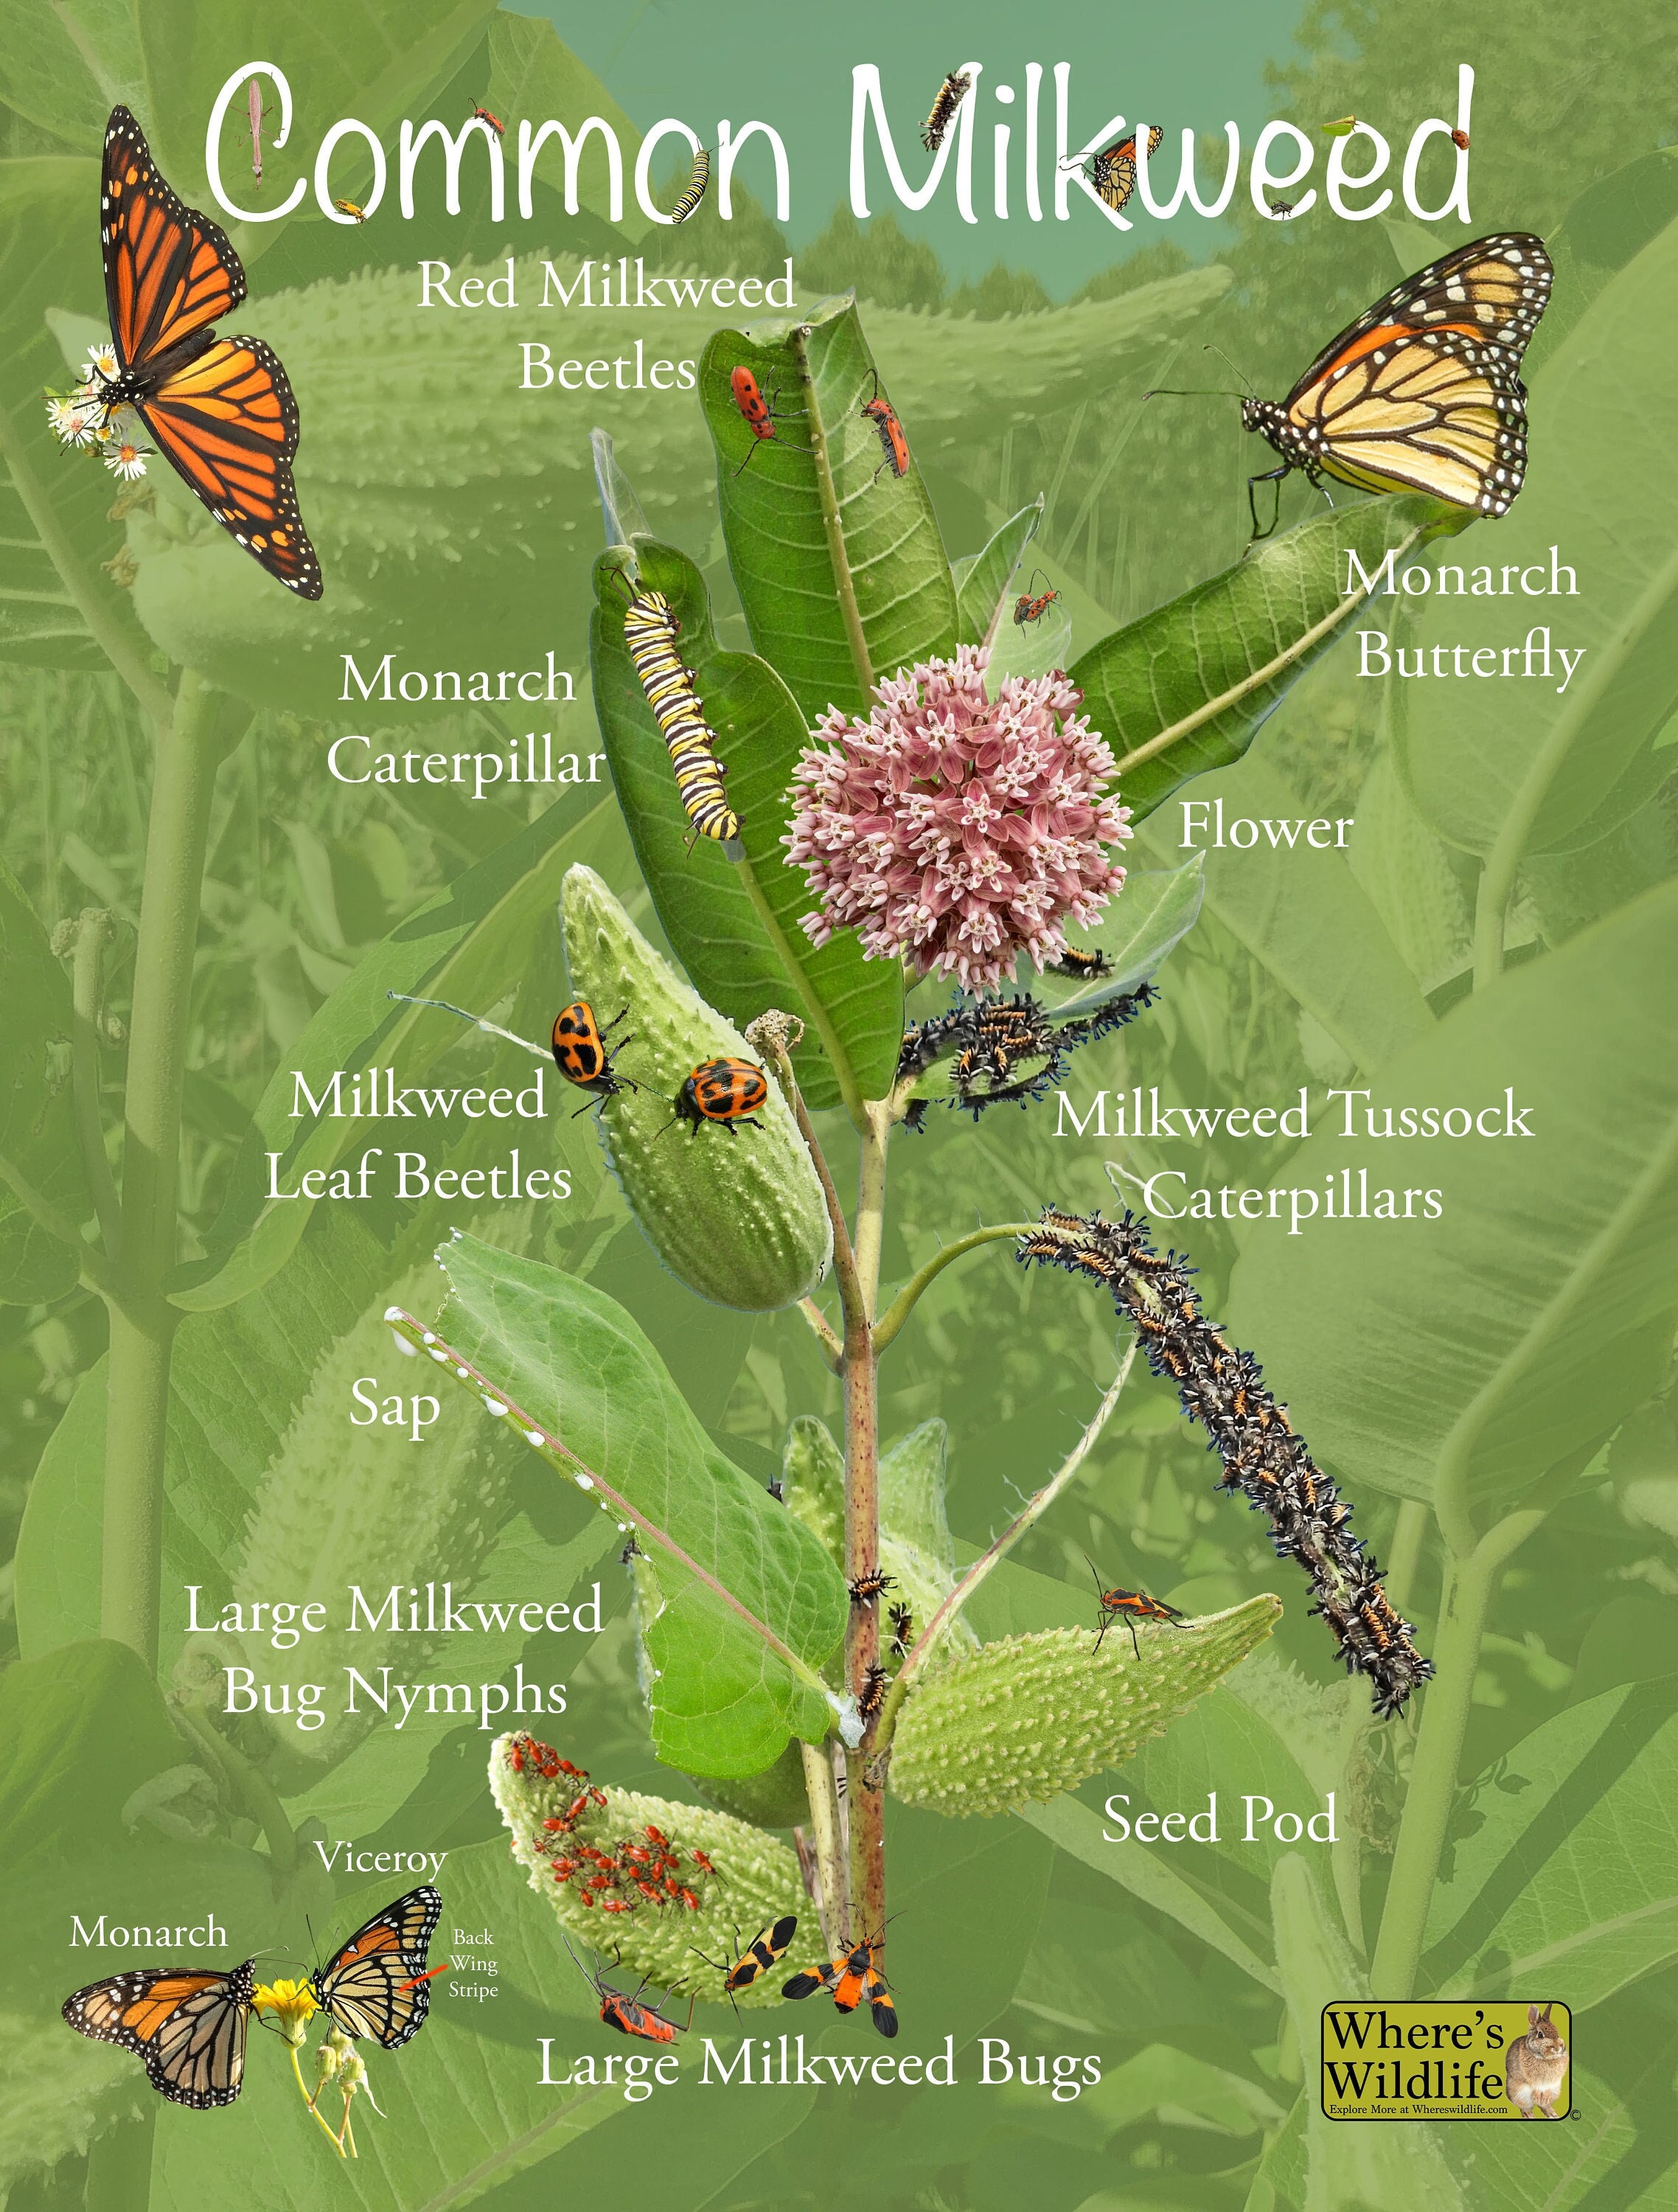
{"type": "Point", "coordinates": [1129, 1607]}
{"type": "Point", "coordinates": [581, 1053]}
{"type": "Point", "coordinates": [725, 1091]}
{"type": "Point", "coordinates": [761, 418]}
{"type": "Point", "coordinates": [1029, 608]}
{"type": "Point", "coordinates": [627, 2014]}
{"type": "Point", "coordinates": [880, 412]}
{"type": "Point", "coordinates": [763, 1952]}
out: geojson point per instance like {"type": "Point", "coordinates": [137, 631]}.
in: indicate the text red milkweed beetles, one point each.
{"type": "Point", "coordinates": [1130, 1606]}
{"type": "Point", "coordinates": [728, 1091]}
{"type": "Point", "coordinates": [627, 2014]}
{"type": "Point", "coordinates": [482, 115]}
{"type": "Point", "coordinates": [1028, 609]}
{"type": "Point", "coordinates": [880, 413]}
{"type": "Point", "coordinates": [761, 417]}
{"type": "Point", "coordinates": [581, 1054]}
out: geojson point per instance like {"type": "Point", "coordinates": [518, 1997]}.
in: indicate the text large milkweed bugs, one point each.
{"type": "Point", "coordinates": [763, 1952]}
{"type": "Point", "coordinates": [1130, 1606]}
{"type": "Point", "coordinates": [581, 1053]}
{"type": "Point", "coordinates": [728, 1091]}
{"type": "Point", "coordinates": [760, 417]}
{"type": "Point", "coordinates": [1028, 609]}
{"type": "Point", "coordinates": [627, 2014]}
{"type": "Point", "coordinates": [880, 413]}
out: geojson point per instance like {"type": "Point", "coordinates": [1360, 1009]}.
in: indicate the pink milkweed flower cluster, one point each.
{"type": "Point", "coordinates": [958, 830]}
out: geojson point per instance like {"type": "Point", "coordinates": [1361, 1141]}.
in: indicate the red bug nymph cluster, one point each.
{"type": "Point", "coordinates": [641, 1873]}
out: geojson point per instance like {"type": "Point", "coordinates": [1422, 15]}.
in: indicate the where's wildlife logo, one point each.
{"type": "Point", "coordinates": [1457, 2061]}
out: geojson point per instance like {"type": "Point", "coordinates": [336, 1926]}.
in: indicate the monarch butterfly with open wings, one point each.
{"type": "Point", "coordinates": [186, 2026]}
{"type": "Point", "coordinates": [378, 1985]}
{"type": "Point", "coordinates": [220, 407]}
{"type": "Point", "coordinates": [1423, 393]}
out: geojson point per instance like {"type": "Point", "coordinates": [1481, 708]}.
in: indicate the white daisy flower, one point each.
{"type": "Point", "coordinates": [72, 419]}
{"type": "Point", "coordinates": [102, 363]}
{"type": "Point", "coordinates": [128, 462]}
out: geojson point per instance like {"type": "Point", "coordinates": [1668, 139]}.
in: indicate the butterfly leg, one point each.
{"type": "Point", "coordinates": [1270, 475]}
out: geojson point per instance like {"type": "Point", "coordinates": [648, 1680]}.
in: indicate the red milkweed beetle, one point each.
{"type": "Point", "coordinates": [1130, 1606]}
{"type": "Point", "coordinates": [880, 413]}
{"type": "Point", "coordinates": [761, 418]}
{"type": "Point", "coordinates": [728, 1091]}
{"type": "Point", "coordinates": [482, 115]}
{"type": "Point", "coordinates": [1030, 610]}
{"type": "Point", "coordinates": [581, 1054]}
{"type": "Point", "coordinates": [627, 2014]}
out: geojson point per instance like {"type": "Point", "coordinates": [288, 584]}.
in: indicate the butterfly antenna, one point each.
{"type": "Point", "coordinates": [1179, 391]}
{"type": "Point", "coordinates": [1231, 366]}
{"type": "Point", "coordinates": [492, 1029]}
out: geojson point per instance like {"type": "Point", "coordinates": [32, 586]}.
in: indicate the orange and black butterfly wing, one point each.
{"type": "Point", "coordinates": [169, 271]}
{"type": "Point", "coordinates": [371, 1987]}
{"type": "Point", "coordinates": [229, 423]}
{"type": "Point", "coordinates": [1424, 390]}
{"type": "Point", "coordinates": [186, 2026]}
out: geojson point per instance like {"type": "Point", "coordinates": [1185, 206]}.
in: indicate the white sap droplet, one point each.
{"type": "Point", "coordinates": [428, 1336]}
{"type": "Point", "coordinates": [585, 1482]}
{"type": "Point", "coordinates": [441, 1358]}
{"type": "Point", "coordinates": [464, 1373]}
{"type": "Point", "coordinates": [392, 1313]}
{"type": "Point", "coordinates": [408, 1350]}
{"type": "Point", "coordinates": [495, 1407]}
{"type": "Point", "coordinates": [534, 1436]}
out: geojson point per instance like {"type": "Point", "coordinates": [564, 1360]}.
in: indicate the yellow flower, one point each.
{"type": "Point", "coordinates": [292, 2004]}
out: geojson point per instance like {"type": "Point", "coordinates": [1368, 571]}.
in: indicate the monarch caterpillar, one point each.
{"type": "Point", "coordinates": [698, 185]}
{"type": "Point", "coordinates": [650, 631]}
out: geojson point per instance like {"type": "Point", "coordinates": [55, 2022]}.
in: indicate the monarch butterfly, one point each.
{"type": "Point", "coordinates": [1113, 172]}
{"type": "Point", "coordinates": [1423, 393]}
{"type": "Point", "coordinates": [697, 185]}
{"type": "Point", "coordinates": [221, 408]}
{"type": "Point", "coordinates": [186, 2026]}
{"type": "Point", "coordinates": [650, 631]}
{"type": "Point", "coordinates": [951, 95]}
{"type": "Point", "coordinates": [378, 1985]}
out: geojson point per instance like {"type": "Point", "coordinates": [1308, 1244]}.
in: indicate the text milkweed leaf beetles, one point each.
{"type": "Point", "coordinates": [728, 1091]}
{"type": "Point", "coordinates": [1129, 1607]}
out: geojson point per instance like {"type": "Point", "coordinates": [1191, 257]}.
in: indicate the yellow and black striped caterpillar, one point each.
{"type": "Point", "coordinates": [650, 631]}
{"type": "Point", "coordinates": [698, 184]}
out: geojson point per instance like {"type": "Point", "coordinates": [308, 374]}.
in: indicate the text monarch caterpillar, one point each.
{"type": "Point", "coordinates": [650, 631]}
{"type": "Point", "coordinates": [697, 185]}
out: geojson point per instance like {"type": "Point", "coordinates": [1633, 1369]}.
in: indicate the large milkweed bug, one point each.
{"type": "Point", "coordinates": [482, 115]}
{"type": "Point", "coordinates": [764, 1951]}
{"type": "Point", "coordinates": [880, 413]}
{"type": "Point", "coordinates": [627, 2014]}
{"type": "Point", "coordinates": [728, 1091]}
{"type": "Point", "coordinates": [1028, 609]}
{"type": "Point", "coordinates": [1130, 1606]}
{"type": "Point", "coordinates": [581, 1054]}
{"type": "Point", "coordinates": [761, 418]}
{"type": "Point", "coordinates": [850, 1978]}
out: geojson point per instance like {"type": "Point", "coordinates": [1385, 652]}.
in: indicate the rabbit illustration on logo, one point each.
{"type": "Point", "coordinates": [1537, 2067]}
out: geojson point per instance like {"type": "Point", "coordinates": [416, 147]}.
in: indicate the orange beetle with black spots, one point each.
{"type": "Point", "coordinates": [725, 1091]}
{"type": "Point", "coordinates": [581, 1054]}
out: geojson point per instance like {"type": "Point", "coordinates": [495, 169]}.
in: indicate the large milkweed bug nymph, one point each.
{"type": "Point", "coordinates": [627, 2014]}
{"type": "Point", "coordinates": [761, 418]}
{"type": "Point", "coordinates": [1129, 1607]}
{"type": "Point", "coordinates": [880, 413]}
{"type": "Point", "coordinates": [726, 1092]}
{"type": "Point", "coordinates": [1030, 609]}
{"type": "Point", "coordinates": [581, 1053]}
{"type": "Point", "coordinates": [764, 1951]}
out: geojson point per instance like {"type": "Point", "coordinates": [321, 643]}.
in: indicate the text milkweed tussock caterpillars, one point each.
{"type": "Point", "coordinates": [343, 1503]}
{"type": "Point", "coordinates": [1222, 1388]}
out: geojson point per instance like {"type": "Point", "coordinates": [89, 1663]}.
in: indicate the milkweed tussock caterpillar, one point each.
{"type": "Point", "coordinates": [1222, 1388]}
{"type": "Point", "coordinates": [951, 95]}
{"type": "Point", "coordinates": [994, 1042]}
{"type": "Point", "coordinates": [579, 1841]}
{"type": "Point", "coordinates": [346, 1503]}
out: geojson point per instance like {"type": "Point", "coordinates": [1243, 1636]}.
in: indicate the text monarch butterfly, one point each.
{"type": "Point", "coordinates": [378, 1984]}
{"type": "Point", "coordinates": [697, 184]}
{"type": "Point", "coordinates": [1423, 393]}
{"type": "Point", "coordinates": [220, 407]}
{"type": "Point", "coordinates": [185, 2026]}
{"type": "Point", "coordinates": [650, 631]}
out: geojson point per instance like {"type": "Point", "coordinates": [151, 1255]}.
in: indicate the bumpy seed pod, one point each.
{"type": "Point", "coordinates": [752, 1880]}
{"type": "Point", "coordinates": [736, 1215]}
{"type": "Point", "coordinates": [340, 1505]}
{"type": "Point", "coordinates": [1027, 1717]}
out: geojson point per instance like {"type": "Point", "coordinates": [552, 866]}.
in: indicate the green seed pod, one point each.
{"type": "Point", "coordinates": [756, 1881]}
{"type": "Point", "coordinates": [735, 1214]}
{"type": "Point", "coordinates": [340, 1504]}
{"type": "Point", "coordinates": [1027, 1717]}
